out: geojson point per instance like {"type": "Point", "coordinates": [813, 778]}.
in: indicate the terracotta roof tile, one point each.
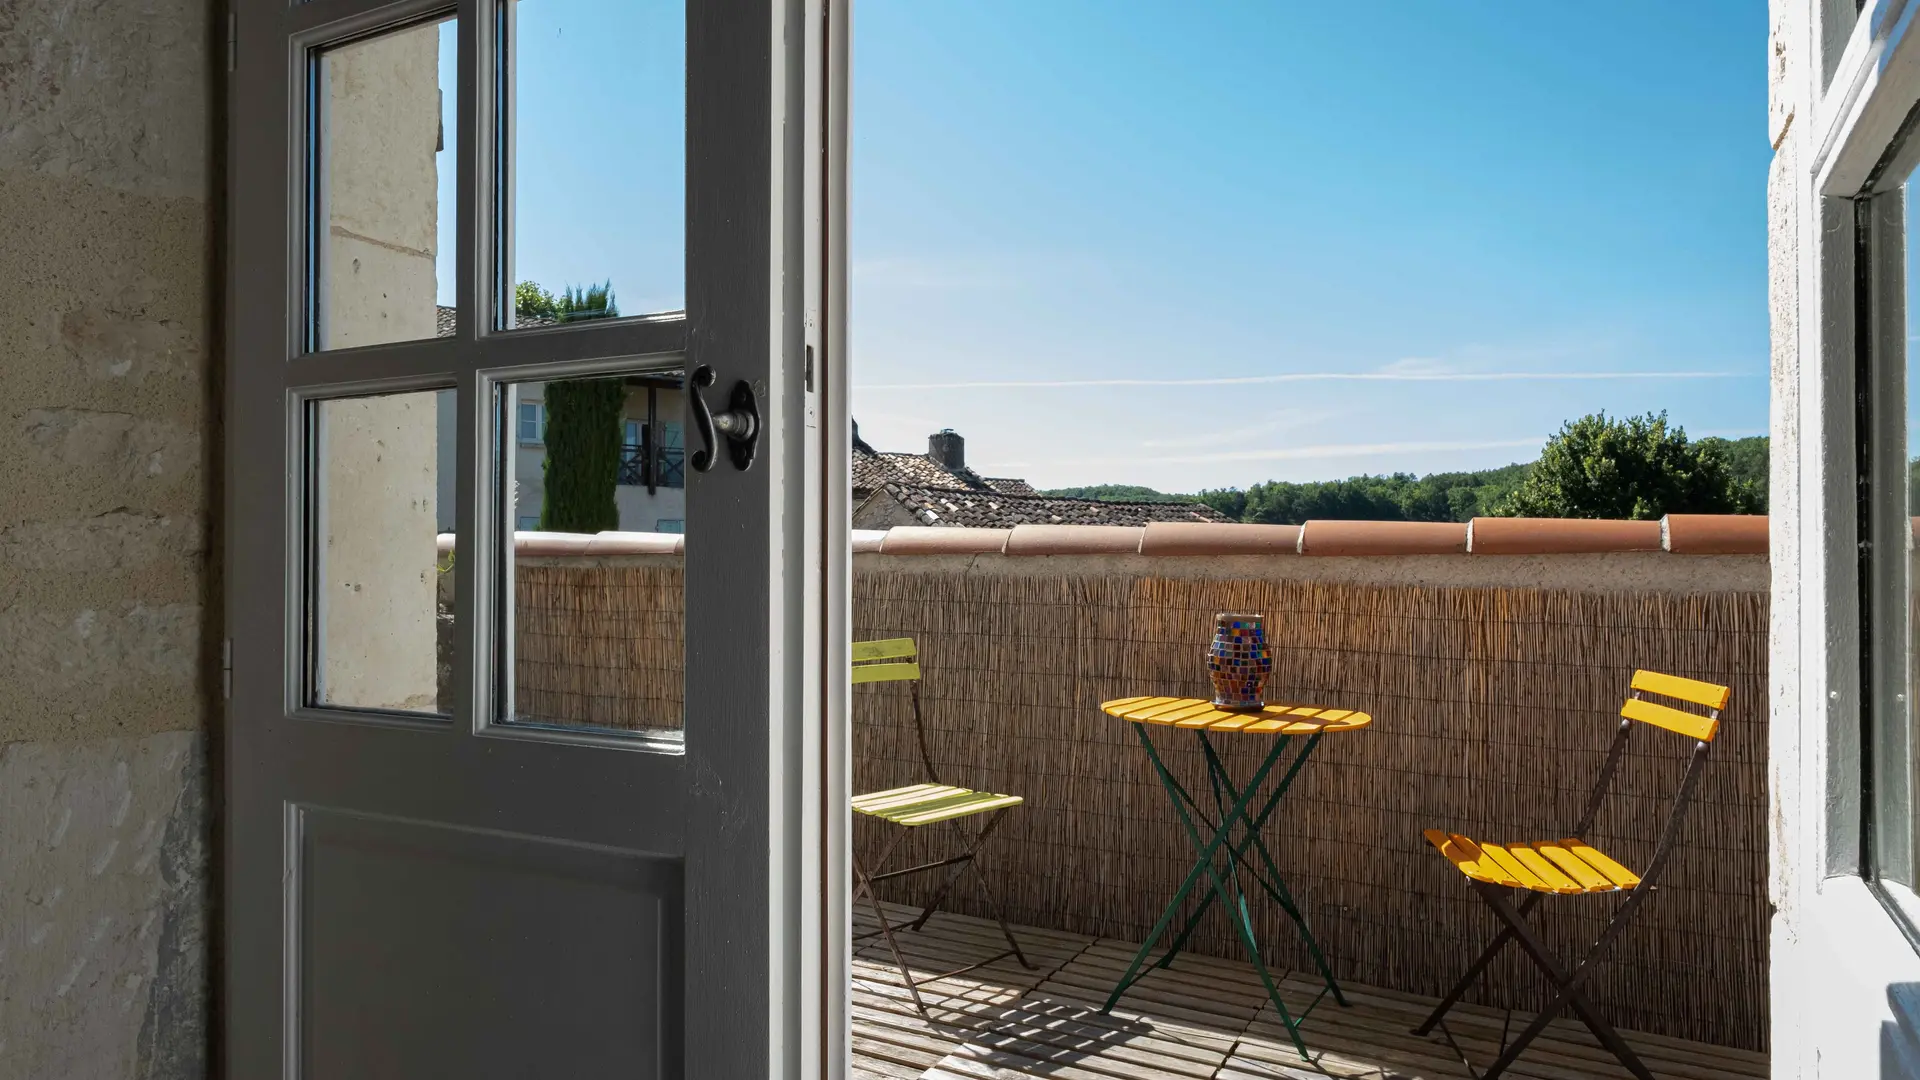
{"type": "Point", "coordinates": [528, 542]}
{"type": "Point", "coordinates": [1196, 538]}
{"type": "Point", "coordinates": [1074, 540]}
{"type": "Point", "coordinates": [1683, 534]}
{"type": "Point", "coordinates": [1007, 485]}
{"type": "Point", "coordinates": [1715, 534]}
{"type": "Point", "coordinates": [1383, 538]}
{"type": "Point", "coordinates": [634, 543]}
{"type": "Point", "coordinates": [920, 540]}
{"type": "Point", "coordinates": [1561, 536]}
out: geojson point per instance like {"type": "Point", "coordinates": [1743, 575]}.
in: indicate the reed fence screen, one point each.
{"type": "Point", "coordinates": [1492, 711]}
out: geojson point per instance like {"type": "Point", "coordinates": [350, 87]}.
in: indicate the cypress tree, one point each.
{"type": "Point", "coordinates": [582, 468]}
{"type": "Point", "coordinates": [583, 455]}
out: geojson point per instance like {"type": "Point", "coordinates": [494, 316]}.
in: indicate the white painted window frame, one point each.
{"type": "Point", "coordinates": [1841, 946]}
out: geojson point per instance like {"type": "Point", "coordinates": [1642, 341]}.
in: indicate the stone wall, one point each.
{"type": "Point", "coordinates": [107, 324]}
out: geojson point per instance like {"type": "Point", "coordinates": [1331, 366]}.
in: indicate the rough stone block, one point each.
{"type": "Point", "coordinates": [103, 908]}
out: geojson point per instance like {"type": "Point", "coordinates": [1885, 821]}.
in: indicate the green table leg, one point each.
{"type": "Point", "coordinates": [1200, 866]}
{"type": "Point", "coordinates": [1228, 890]}
{"type": "Point", "coordinates": [1252, 837]}
{"type": "Point", "coordinates": [1274, 884]}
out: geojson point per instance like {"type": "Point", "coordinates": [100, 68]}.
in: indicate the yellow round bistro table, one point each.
{"type": "Point", "coordinates": [1235, 806]}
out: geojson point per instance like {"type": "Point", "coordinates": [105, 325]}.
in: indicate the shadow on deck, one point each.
{"type": "Point", "coordinates": [1202, 1018]}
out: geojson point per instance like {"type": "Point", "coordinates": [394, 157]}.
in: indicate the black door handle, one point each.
{"type": "Point", "coordinates": [740, 423]}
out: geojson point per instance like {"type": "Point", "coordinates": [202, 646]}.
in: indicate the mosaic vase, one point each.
{"type": "Point", "coordinates": [1239, 661]}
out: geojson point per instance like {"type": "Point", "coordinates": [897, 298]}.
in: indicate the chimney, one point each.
{"type": "Point", "coordinates": [947, 449]}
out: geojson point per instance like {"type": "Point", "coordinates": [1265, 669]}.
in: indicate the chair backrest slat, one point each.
{"type": "Point", "coordinates": [866, 673]}
{"type": "Point", "coordinates": [896, 660]}
{"type": "Point", "coordinates": [1689, 690]}
{"type": "Point", "coordinates": [1692, 725]}
{"type": "Point", "coordinates": [899, 648]}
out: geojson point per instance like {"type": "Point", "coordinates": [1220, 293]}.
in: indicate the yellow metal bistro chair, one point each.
{"type": "Point", "coordinates": [1570, 867]}
{"type": "Point", "coordinates": [919, 805]}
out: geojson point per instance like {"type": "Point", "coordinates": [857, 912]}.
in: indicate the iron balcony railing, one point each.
{"type": "Point", "coordinates": [666, 463]}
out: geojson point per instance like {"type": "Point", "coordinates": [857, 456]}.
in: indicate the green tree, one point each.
{"type": "Point", "coordinates": [1455, 496]}
{"type": "Point", "coordinates": [1637, 468]}
{"type": "Point", "coordinates": [1118, 493]}
{"type": "Point", "coordinates": [1748, 460]}
{"type": "Point", "coordinates": [591, 302]}
{"type": "Point", "coordinates": [531, 302]}
{"type": "Point", "coordinates": [1229, 501]}
{"type": "Point", "coordinates": [582, 466]}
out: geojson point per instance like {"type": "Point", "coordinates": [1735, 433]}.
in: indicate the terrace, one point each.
{"type": "Point", "coordinates": [1492, 658]}
{"type": "Point", "coordinates": [1202, 1018]}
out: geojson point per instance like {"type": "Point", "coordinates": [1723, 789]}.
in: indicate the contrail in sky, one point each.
{"type": "Point", "coordinates": [1289, 453]}
{"type": "Point", "coordinates": [1320, 376]}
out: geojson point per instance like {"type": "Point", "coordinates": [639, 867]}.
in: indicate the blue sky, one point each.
{"type": "Point", "coordinates": [1236, 241]}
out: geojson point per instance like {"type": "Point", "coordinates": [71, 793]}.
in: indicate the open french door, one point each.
{"type": "Point", "coordinates": [444, 854]}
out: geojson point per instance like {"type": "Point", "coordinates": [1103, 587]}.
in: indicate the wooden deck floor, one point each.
{"type": "Point", "coordinates": [1201, 1018]}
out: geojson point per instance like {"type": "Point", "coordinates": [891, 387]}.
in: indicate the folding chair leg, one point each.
{"type": "Point", "coordinates": [993, 905]}
{"type": "Point", "coordinates": [953, 873]}
{"type": "Point", "coordinates": [864, 883]}
{"type": "Point", "coordinates": [1500, 941]}
{"type": "Point", "coordinates": [1566, 983]}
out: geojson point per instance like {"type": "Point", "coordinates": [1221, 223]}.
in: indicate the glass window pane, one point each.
{"type": "Point", "coordinates": [381, 606]}
{"type": "Point", "coordinates": [596, 149]}
{"type": "Point", "coordinates": [1887, 595]}
{"type": "Point", "coordinates": [594, 627]}
{"type": "Point", "coordinates": [383, 227]}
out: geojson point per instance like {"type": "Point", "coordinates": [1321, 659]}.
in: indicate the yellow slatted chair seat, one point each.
{"type": "Point", "coordinates": [1551, 866]}
{"type": "Point", "coordinates": [926, 804]}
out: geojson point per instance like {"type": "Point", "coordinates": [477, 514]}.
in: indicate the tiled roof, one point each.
{"type": "Point", "coordinates": [444, 320]}
{"type": "Point", "coordinates": [989, 509]}
{"type": "Point", "coordinates": [873, 468]}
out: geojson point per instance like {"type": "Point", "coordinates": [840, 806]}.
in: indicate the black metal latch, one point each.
{"type": "Point", "coordinates": [740, 423]}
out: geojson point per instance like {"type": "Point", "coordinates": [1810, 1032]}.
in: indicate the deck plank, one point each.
{"type": "Point", "coordinates": [1203, 1018]}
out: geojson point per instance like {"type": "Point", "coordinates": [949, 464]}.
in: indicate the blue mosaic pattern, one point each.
{"type": "Point", "coordinates": [1239, 661]}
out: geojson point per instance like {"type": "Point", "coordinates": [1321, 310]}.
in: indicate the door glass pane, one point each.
{"type": "Point", "coordinates": [382, 244]}
{"type": "Point", "coordinates": [593, 626]}
{"type": "Point", "coordinates": [595, 131]}
{"type": "Point", "coordinates": [380, 609]}
{"type": "Point", "coordinates": [1902, 495]}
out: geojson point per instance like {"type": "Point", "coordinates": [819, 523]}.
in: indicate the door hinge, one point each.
{"type": "Point", "coordinates": [233, 40]}
{"type": "Point", "coordinates": [226, 669]}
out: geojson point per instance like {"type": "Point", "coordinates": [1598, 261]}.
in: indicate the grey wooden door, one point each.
{"type": "Point", "coordinates": [444, 854]}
